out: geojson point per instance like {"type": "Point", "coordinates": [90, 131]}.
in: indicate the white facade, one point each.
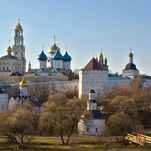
{"type": "Point", "coordinates": [10, 64]}
{"type": "Point", "coordinates": [92, 127]}
{"type": "Point", "coordinates": [3, 102]}
{"type": "Point", "coordinates": [57, 64]}
{"type": "Point", "coordinates": [67, 65]}
{"type": "Point", "coordinates": [92, 121]}
{"type": "Point", "coordinates": [96, 79]}
{"type": "Point", "coordinates": [130, 73]}
{"type": "Point", "coordinates": [43, 64]}
{"type": "Point", "coordinates": [118, 81]}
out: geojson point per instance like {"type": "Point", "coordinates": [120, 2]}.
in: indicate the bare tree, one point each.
{"type": "Point", "coordinates": [17, 126]}
{"type": "Point", "coordinates": [60, 116]}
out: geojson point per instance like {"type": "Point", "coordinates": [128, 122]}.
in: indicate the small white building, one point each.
{"type": "Point", "coordinates": [3, 101]}
{"type": "Point", "coordinates": [23, 97]}
{"type": "Point", "coordinates": [92, 122]}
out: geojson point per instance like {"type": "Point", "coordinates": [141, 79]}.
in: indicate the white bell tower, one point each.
{"type": "Point", "coordinates": [91, 103]}
{"type": "Point", "coordinates": [18, 47]}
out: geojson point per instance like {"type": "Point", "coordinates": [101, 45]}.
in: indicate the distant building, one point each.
{"type": "Point", "coordinates": [92, 121]}
{"type": "Point", "coordinates": [16, 62]}
{"type": "Point", "coordinates": [22, 98]}
{"type": "Point", "coordinates": [55, 64]}
{"type": "Point", "coordinates": [130, 69]}
{"type": "Point", "coordinates": [3, 100]}
{"type": "Point", "coordinates": [95, 75]}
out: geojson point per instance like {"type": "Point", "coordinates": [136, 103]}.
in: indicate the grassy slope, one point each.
{"type": "Point", "coordinates": [78, 143]}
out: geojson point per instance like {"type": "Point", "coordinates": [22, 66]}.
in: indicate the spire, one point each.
{"type": "Point", "coordinates": [101, 59]}
{"type": "Point", "coordinates": [97, 58]}
{"type": "Point", "coordinates": [54, 38]}
{"type": "Point", "coordinates": [130, 56]}
{"type": "Point", "coordinates": [9, 42]}
{"type": "Point", "coordinates": [66, 47]}
{"type": "Point", "coordinates": [42, 46]}
{"type": "Point", "coordinates": [54, 47]}
{"type": "Point", "coordinates": [105, 61]}
{"type": "Point", "coordinates": [9, 50]}
{"type": "Point", "coordinates": [29, 66]}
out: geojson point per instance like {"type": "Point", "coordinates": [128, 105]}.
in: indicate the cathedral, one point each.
{"type": "Point", "coordinates": [55, 59]}
{"type": "Point", "coordinates": [14, 61]}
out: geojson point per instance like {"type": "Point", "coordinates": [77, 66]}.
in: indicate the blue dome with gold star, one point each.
{"type": "Point", "coordinates": [66, 57]}
{"type": "Point", "coordinates": [58, 55]}
{"type": "Point", "coordinates": [42, 56]}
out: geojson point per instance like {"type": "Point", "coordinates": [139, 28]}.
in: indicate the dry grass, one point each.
{"type": "Point", "coordinates": [78, 143]}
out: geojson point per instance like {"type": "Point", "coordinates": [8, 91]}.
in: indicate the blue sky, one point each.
{"type": "Point", "coordinates": [85, 26]}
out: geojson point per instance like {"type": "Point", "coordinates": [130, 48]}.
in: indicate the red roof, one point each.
{"type": "Point", "coordinates": [94, 65]}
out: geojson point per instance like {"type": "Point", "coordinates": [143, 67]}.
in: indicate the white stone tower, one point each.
{"type": "Point", "coordinates": [18, 47]}
{"type": "Point", "coordinates": [93, 75]}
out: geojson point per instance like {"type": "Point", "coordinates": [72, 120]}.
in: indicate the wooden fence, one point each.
{"type": "Point", "coordinates": [138, 139]}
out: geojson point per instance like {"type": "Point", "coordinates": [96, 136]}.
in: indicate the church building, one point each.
{"type": "Point", "coordinates": [130, 69]}
{"type": "Point", "coordinates": [14, 61]}
{"type": "Point", "coordinates": [92, 121]}
{"type": "Point", "coordinates": [58, 61]}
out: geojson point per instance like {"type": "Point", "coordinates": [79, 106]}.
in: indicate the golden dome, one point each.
{"type": "Point", "coordinates": [23, 83]}
{"type": "Point", "coordinates": [130, 54]}
{"type": "Point", "coordinates": [9, 50]}
{"type": "Point", "coordinates": [18, 27]}
{"type": "Point", "coordinates": [53, 49]}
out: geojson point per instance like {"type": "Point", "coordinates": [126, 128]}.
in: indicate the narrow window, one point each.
{"type": "Point", "coordinates": [96, 130]}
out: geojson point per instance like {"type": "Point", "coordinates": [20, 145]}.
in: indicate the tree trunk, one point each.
{"type": "Point", "coordinates": [61, 134]}
{"type": "Point", "coordinates": [71, 130]}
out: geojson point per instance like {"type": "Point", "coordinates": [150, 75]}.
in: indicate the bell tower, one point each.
{"type": "Point", "coordinates": [18, 47]}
